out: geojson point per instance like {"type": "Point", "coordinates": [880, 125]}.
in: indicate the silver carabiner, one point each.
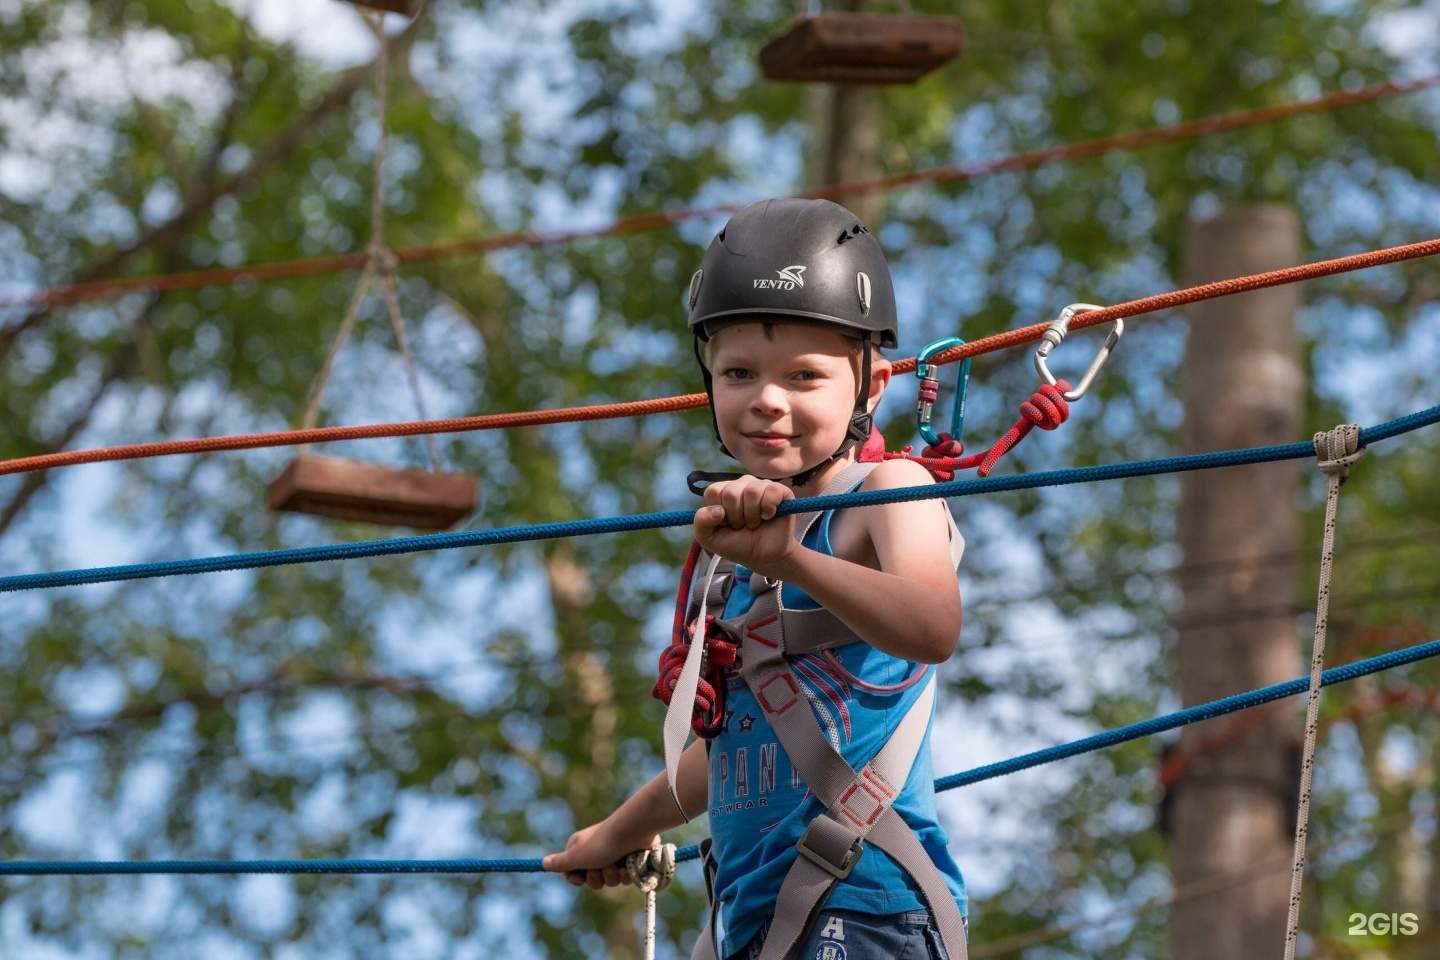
{"type": "Point", "coordinates": [1056, 333]}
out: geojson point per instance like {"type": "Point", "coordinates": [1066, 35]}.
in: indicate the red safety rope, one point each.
{"type": "Point", "coordinates": [1028, 160]}
{"type": "Point", "coordinates": [693, 401]}
{"type": "Point", "coordinates": [720, 650]}
{"type": "Point", "coordinates": [1047, 408]}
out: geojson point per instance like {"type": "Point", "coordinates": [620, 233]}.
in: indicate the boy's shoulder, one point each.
{"type": "Point", "coordinates": [890, 474]}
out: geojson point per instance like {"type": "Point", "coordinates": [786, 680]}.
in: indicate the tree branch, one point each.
{"type": "Point", "coordinates": [198, 204]}
{"type": "Point", "coordinates": [120, 364]}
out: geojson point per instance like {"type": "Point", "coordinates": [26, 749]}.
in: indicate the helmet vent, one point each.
{"type": "Point", "coordinates": [862, 286]}
{"type": "Point", "coordinates": [695, 287]}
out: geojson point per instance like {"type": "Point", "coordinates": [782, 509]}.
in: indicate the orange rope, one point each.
{"type": "Point", "coordinates": [493, 421]}
{"type": "Point", "coordinates": [1165, 301]}
{"type": "Point", "coordinates": [692, 401]}
{"type": "Point", "coordinates": [285, 270]}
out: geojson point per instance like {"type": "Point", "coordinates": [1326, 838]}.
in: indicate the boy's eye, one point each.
{"type": "Point", "coordinates": [737, 373]}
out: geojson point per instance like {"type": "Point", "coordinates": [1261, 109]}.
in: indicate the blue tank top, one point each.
{"type": "Point", "coordinates": [759, 806]}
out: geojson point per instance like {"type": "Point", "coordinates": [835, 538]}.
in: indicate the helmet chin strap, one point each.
{"type": "Point", "coordinates": [858, 432]}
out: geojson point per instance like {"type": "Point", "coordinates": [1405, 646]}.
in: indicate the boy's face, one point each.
{"type": "Point", "coordinates": [784, 393]}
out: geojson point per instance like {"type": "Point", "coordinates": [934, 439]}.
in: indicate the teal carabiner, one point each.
{"type": "Point", "coordinates": [930, 390]}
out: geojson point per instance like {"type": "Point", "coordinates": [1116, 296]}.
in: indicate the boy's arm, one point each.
{"type": "Point", "coordinates": [592, 855]}
{"type": "Point", "coordinates": [908, 608]}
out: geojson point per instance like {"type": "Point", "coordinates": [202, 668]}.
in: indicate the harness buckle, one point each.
{"type": "Point", "coordinates": [1056, 333]}
{"type": "Point", "coordinates": [929, 391]}
{"type": "Point", "coordinates": [847, 862]}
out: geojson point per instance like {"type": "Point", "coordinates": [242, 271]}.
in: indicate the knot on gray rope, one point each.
{"type": "Point", "coordinates": [1337, 450]}
{"type": "Point", "coordinates": [651, 870]}
{"type": "Point", "coordinates": [383, 259]}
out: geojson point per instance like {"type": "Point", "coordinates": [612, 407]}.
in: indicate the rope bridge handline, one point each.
{"type": "Point", "coordinates": [1109, 738]}
{"type": "Point", "coordinates": [677, 518]}
{"type": "Point", "coordinates": [657, 220]}
{"type": "Point", "coordinates": [500, 421]}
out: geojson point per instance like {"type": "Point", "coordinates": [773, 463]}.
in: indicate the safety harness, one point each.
{"type": "Point", "coordinates": [760, 646]}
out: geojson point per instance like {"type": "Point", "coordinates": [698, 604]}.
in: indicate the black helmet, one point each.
{"type": "Point", "coordinates": [805, 261]}
{"type": "Point", "coordinates": [795, 260]}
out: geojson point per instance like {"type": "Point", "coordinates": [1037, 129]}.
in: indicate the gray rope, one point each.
{"type": "Point", "coordinates": [651, 870]}
{"type": "Point", "coordinates": [1336, 451]}
{"type": "Point", "coordinates": [352, 312]}
{"type": "Point", "coordinates": [397, 324]}
{"type": "Point", "coordinates": [380, 259]}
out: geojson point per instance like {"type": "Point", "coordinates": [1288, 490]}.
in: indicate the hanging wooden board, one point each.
{"type": "Point", "coordinates": [407, 7]}
{"type": "Point", "coordinates": [861, 48]}
{"type": "Point", "coordinates": [369, 493]}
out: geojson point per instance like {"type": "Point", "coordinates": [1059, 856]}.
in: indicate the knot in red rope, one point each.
{"type": "Point", "coordinates": [948, 447]}
{"type": "Point", "coordinates": [943, 459]}
{"type": "Point", "coordinates": [1047, 407]}
{"type": "Point", "coordinates": [720, 655]}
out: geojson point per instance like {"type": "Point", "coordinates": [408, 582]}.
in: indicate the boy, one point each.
{"type": "Point", "coordinates": [827, 847]}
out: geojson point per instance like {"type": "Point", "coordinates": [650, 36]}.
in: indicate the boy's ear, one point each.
{"type": "Point", "coordinates": [880, 371]}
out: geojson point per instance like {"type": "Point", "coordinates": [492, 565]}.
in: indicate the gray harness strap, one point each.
{"type": "Point", "coordinates": [858, 803]}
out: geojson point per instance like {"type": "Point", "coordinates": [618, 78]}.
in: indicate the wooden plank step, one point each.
{"type": "Point", "coordinates": [369, 493]}
{"type": "Point", "coordinates": [861, 48]}
{"type": "Point", "coordinates": [407, 7]}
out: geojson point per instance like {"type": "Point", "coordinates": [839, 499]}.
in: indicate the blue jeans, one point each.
{"type": "Point", "coordinates": [846, 935]}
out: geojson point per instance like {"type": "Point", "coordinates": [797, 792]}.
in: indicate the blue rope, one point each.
{"type": "Point", "coordinates": [1205, 711]}
{"type": "Point", "coordinates": [88, 868]}
{"type": "Point", "coordinates": [1134, 731]}
{"type": "Point", "coordinates": [677, 518]}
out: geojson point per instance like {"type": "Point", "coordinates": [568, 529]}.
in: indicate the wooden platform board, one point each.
{"type": "Point", "coordinates": [861, 48]}
{"type": "Point", "coordinates": [370, 493]}
{"type": "Point", "coordinates": [407, 7]}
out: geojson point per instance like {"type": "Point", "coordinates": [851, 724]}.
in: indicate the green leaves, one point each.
{"type": "Point", "coordinates": [490, 701]}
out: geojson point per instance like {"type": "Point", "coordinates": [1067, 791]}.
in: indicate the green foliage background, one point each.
{"type": "Point", "coordinates": [482, 703]}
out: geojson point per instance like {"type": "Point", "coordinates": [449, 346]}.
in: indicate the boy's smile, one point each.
{"type": "Point", "coordinates": [784, 393]}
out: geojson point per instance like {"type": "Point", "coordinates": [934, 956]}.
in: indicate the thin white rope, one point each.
{"type": "Point", "coordinates": [380, 260]}
{"type": "Point", "coordinates": [397, 326]}
{"type": "Point", "coordinates": [651, 870]}
{"type": "Point", "coordinates": [1336, 451]}
{"type": "Point", "coordinates": [352, 312]}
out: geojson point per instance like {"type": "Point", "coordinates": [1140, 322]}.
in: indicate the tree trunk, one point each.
{"type": "Point", "coordinates": [1243, 386]}
{"type": "Point", "coordinates": [847, 132]}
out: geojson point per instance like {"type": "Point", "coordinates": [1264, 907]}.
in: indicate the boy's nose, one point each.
{"type": "Point", "coordinates": [770, 397]}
